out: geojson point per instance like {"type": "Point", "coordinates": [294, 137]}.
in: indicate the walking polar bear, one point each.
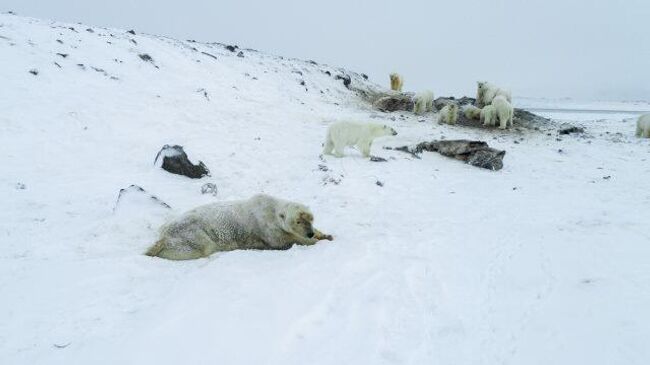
{"type": "Point", "coordinates": [396, 82]}
{"type": "Point", "coordinates": [423, 102]}
{"type": "Point", "coordinates": [486, 92]}
{"type": "Point", "coordinates": [448, 114]}
{"type": "Point", "coordinates": [643, 126]}
{"type": "Point", "coordinates": [261, 222]}
{"type": "Point", "coordinates": [504, 111]}
{"type": "Point", "coordinates": [347, 134]}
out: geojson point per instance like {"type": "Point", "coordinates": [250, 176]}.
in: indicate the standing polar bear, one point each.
{"type": "Point", "coordinates": [486, 92]}
{"type": "Point", "coordinates": [643, 126]}
{"type": "Point", "coordinates": [504, 110]}
{"type": "Point", "coordinates": [261, 222]}
{"type": "Point", "coordinates": [361, 135]}
{"type": "Point", "coordinates": [396, 82]}
{"type": "Point", "coordinates": [489, 115]}
{"type": "Point", "coordinates": [448, 114]}
{"type": "Point", "coordinates": [423, 102]}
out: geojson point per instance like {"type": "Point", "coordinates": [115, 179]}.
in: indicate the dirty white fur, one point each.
{"type": "Point", "coordinates": [423, 102]}
{"type": "Point", "coordinates": [396, 82]}
{"type": "Point", "coordinates": [347, 134]}
{"type": "Point", "coordinates": [472, 112]}
{"type": "Point", "coordinates": [486, 92]}
{"type": "Point", "coordinates": [448, 114]}
{"type": "Point", "coordinates": [643, 126]}
{"type": "Point", "coordinates": [489, 115]}
{"type": "Point", "coordinates": [505, 112]}
{"type": "Point", "coordinates": [261, 222]}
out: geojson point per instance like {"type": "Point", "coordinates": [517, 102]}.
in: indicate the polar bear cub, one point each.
{"type": "Point", "coordinates": [347, 134]}
{"type": "Point", "coordinates": [423, 102]}
{"type": "Point", "coordinates": [643, 126]}
{"type": "Point", "coordinates": [448, 114]}
{"type": "Point", "coordinates": [489, 115]}
{"type": "Point", "coordinates": [262, 222]}
{"type": "Point", "coordinates": [486, 92]}
{"type": "Point", "coordinates": [472, 112]}
{"type": "Point", "coordinates": [396, 82]}
{"type": "Point", "coordinates": [505, 112]}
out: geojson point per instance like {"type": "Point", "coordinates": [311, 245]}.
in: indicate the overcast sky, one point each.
{"type": "Point", "coordinates": [585, 49]}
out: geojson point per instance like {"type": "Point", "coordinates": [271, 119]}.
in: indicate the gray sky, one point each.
{"type": "Point", "coordinates": [585, 49]}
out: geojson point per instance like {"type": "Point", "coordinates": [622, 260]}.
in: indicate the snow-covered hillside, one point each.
{"type": "Point", "coordinates": [545, 261]}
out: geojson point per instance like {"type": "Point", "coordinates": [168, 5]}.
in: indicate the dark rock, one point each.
{"type": "Point", "coordinates": [133, 41]}
{"type": "Point", "coordinates": [81, 66]}
{"type": "Point", "coordinates": [572, 129]}
{"type": "Point", "coordinates": [145, 57]}
{"type": "Point", "coordinates": [231, 48]}
{"type": "Point", "coordinates": [90, 30]}
{"type": "Point", "coordinates": [21, 186]}
{"type": "Point", "coordinates": [346, 80]}
{"type": "Point", "coordinates": [33, 71]}
{"type": "Point", "coordinates": [131, 31]}
{"type": "Point", "coordinates": [365, 77]}
{"type": "Point", "coordinates": [377, 159]}
{"type": "Point", "coordinates": [379, 183]}
{"type": "Point", "coordinates": [441, 102]}
{"type": "Point", "coordinates": [57, 65]}
{"type": "Point", "coordinates": [175, 160]}
{"type": "Point", "coordinates": [312, 62]}
{"type": "Point", "coordinates": [209, 188]}
{"type": "Point", "coordinates": [327, 73]}
{"type": "Point", "coordinates": [240, 54]}
{"type": "Point", "coordinates": [394, 102]}
{"type": "Point", "coordinates": [64, 55]}
{"type": "Point", "coordinates": [60, 41]}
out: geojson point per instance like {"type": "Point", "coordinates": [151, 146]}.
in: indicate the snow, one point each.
{"type": "Point", "coordinates": [545, 261]}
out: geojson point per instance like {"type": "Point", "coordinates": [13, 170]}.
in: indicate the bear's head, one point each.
{"type": "Point", "coordinates": [388, 131]}
{"type": "Point", "coordinates": [297, 219]}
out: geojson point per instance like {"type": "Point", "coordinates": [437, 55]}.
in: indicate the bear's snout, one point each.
{"type": "Point", "coordinates": [310, 234]}
{"type": "Point", "coordinates": [394, 133]}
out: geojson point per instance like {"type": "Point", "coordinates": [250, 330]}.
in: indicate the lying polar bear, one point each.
{"type": "Point", "coordinates": [643, 126]}
{"type": "Point", "coordinates": [261, 222]}
{"type": "Point", "coordinates": [344, 134]}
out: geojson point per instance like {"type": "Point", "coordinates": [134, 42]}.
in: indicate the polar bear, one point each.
{"type": "Point", "coordinates": [423, 102]}
{"type": "Point", "coordinates": [448, 114]}
{"type": "Point", "coordinates": [643, 126]}
{"type": "Point", "coordinates": [505, 112]}
{"type": "Point", "coordinates": [344, 134]}
{"type": "Point", "coordinates": [261, 222]}
{"type": "Point", "coordinates": [486, 92]}
{"type": "Point", "coordinates": [396, 82]}
{"type": "Point", "coordinates": [472, 112]}
{"type": "Point", "coordinates": [489, 115]}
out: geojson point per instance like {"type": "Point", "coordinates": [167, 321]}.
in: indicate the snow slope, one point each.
{"type": "Point", "coordinates": [545, 261]}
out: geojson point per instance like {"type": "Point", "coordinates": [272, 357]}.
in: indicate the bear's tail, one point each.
{"type": "Point", "coordinates": [155, 249]}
